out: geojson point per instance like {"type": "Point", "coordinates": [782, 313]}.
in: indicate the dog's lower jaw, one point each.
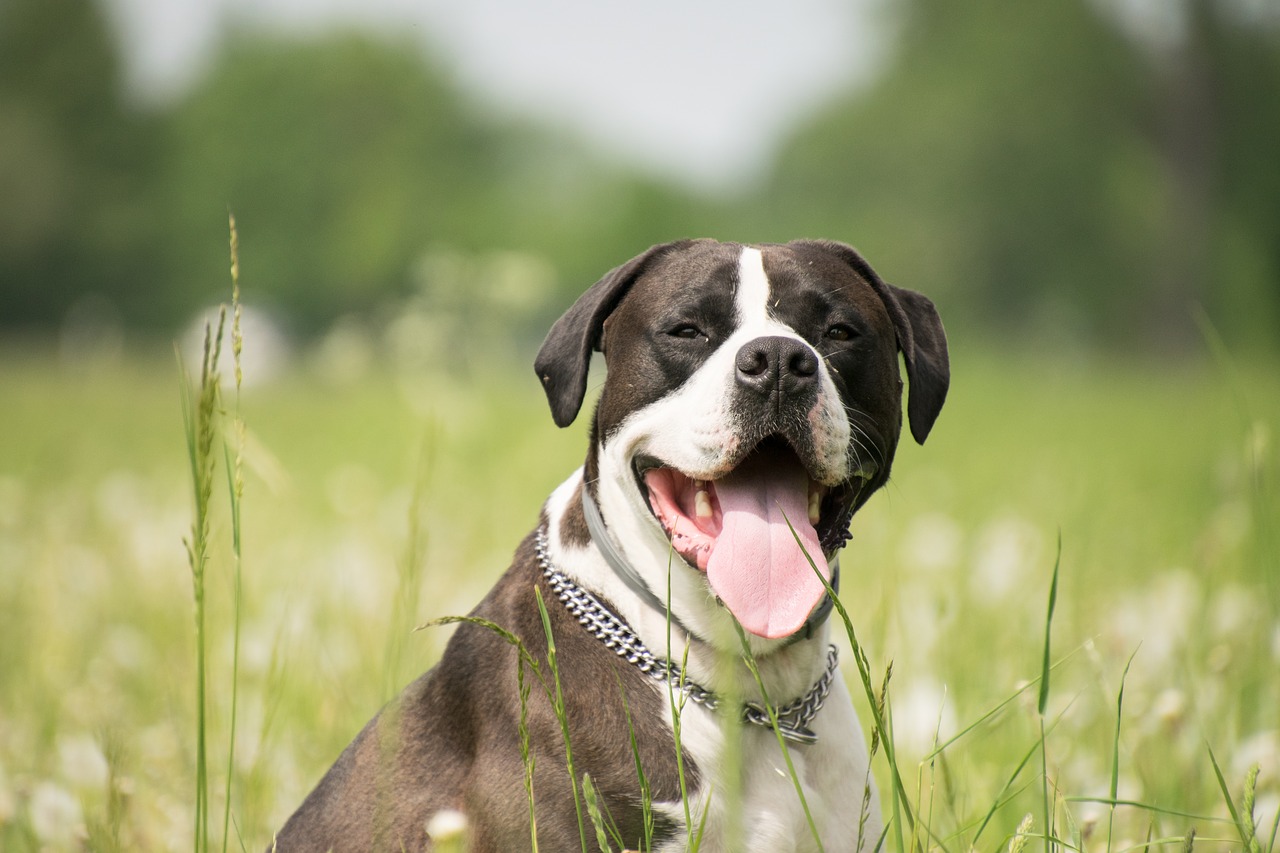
{"type": "Point", "coordinates": [712, 648]}
{"type": "Point", "coordinates": [625, 504]}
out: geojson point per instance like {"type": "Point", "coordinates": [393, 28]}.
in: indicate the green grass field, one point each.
{"type": "Point", "coordinates": [410, 492]}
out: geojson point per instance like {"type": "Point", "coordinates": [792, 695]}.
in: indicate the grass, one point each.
{"type": "Point", "coordinates": [203, 420]}
{"type": "Point", "coordinates": [771, 707]}
{"type": "Point", "coordinates": [1165, 625]}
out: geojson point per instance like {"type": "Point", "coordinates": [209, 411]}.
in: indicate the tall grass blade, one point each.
{"type": "Point", "coordinates": [864, 814]}
{"type": "Point", "coordinates": [1013, 777]}
{"type": "Point", "coordinates": [994, 711]}
{"type": "Point", "coordinates": [677, 707]}
{"type": "Point", "coordinates": [900, 799]}
{"type": "Point", "coordinates": [1226, 796]}
{"type": "Point", "coordinates": [204, 428]}
{"type": "Point", "coordinates": [750, 660]}
{"type": "Point", "coordinates": [1045, 667]}
{"type": "Point", "coordinates": [195, 557]}
{"type": "Point", "coordinates": [1275, 826]}
{"type": "Point", "coordinates": [696, 838]}
{"type": "Point", "coordinates": [1247, 806]}
{"type": "Point", "coordinates": [599, 820]}
{"type": "Point", "coordinates": [234, 467]}
{"type": "Point", "coordinates": [558, 706]}
{"type": "Point", "coordinates": [200, 407]}
{"type": "Point", "coordinates": [523, 659]}
{"type": "Point", "coordinates": [1243, 819]}
{"type": "Point", "coordinates": [527, 756]}
{"type": "Point", "coordinates": [1115, 749]}
{"type": "Point", "coordinates": [1160, 810]}
{"type": "Point", "coordinates": [988, 715]}
{"type": "Point", "coordinates": [646, 794]}
{"type": "Point", "coordinates": [1043, 700]}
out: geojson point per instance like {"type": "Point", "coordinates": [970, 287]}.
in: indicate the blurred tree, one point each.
{"type": "Point", "coordinates": [1232, 53]}
{"type": "Point", "coordinates": [993, 164]}
{"type": "Point", "coordinates": [342, 158]}
{"type": "Point", "coordinates": [346, 158]}
{"type": "Point", "coordinates": [1040, 171]}
{"type": "Point", "coordinates": [72, 154]}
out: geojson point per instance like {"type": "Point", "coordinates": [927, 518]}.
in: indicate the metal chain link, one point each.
{"type": "Point", "coordinates": [793, 718]}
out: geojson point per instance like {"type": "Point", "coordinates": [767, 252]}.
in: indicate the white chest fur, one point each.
{"type": "Point", "coordinates": [751, 800]}
{"type": "Point", "coordinates": [746, 799]}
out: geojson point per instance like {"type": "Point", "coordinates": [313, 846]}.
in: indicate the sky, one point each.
{"type": "Point", "coordinates": [697, 90]}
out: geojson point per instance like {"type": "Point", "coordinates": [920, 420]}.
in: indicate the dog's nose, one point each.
{"type": "Point", "coordinates": [777, 364]}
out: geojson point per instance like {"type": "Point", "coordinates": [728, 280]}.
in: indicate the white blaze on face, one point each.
{"type": "Point", "coordinates": [755, 301]}
{"type": "Point", "coordinates": [756, 566]}
{"type": "Point", "coordinates": [761, 565]}
{"type": "Point", "coordinates": [752, 297]}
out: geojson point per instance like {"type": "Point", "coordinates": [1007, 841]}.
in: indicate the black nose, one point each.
{"type": "Point", "coordinates": [777, 365]}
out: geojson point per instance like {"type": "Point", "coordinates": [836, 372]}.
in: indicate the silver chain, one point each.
{"type": "Point", "coordinates": [793, 718]}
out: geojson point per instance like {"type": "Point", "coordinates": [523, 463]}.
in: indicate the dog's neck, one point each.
{"type": "Point", "coordinates": [603, 542]}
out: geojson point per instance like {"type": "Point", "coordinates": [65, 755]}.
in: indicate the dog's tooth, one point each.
{"type": "Point", "coordinates": [702, 504]}
{"type": "Point", "coordinates": [815, 507]}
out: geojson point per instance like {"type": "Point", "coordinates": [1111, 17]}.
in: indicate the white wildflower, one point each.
{"type": "Point", "coordinates": [55, 815]}
{"type": "Point", "coordinates": [81, 761]}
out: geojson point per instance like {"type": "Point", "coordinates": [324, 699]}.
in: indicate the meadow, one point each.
{"type": "Point", "coordinates": [378, 501]}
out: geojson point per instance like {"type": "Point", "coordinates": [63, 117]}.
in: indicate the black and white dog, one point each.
{"type": "Point", "coordinates": [752, 405]}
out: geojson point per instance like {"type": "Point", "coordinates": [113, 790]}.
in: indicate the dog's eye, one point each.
{"type": "Point", "coordinates": [686, 330]}
{"type": "Point", "coordinates": [841, 332]}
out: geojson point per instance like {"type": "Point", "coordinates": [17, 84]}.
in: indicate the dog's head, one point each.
{"type": "Point", "coordinates": [752, 404]}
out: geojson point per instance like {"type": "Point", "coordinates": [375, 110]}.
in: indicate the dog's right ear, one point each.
{"type": "Point", "coordinates": [921, 339]}
{"type": "Point", "coordinates": [565, 356]}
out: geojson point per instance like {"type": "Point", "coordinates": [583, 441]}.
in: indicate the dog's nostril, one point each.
{"type": "Point", "coordinates": [803, 363]}
{"type": "Point", "coordinates": [752, 362]}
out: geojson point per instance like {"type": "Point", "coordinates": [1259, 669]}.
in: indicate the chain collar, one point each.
{"type": "Point", "coordinates": [793, 718]}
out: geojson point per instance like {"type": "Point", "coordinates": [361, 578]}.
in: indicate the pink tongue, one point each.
{"type": "Point", "coordinates": [756, 567]}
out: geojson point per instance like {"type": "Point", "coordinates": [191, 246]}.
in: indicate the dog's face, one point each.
{"type": "Point", "coordinates": [753, 403]}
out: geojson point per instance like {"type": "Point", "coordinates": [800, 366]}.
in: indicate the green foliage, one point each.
{"type": "Point", "coordinates": [1046, 175]}
{"type": "Point", "coordinates": [1040, 171]}
{"type": "Point", "coordinates": [73, 165]}
{"type": "Point", "coordinates": [348, 158]}
{"type": "Point", "coordinates": [343, 158]}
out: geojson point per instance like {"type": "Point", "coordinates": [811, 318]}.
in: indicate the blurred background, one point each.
{"type": "Point", "coordinates": [1099, 173]}
{"type": "Point", "coordinates": [1088, 189]}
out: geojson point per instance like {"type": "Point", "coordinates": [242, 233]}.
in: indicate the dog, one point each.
{"type": "Point", "coordinates": [753, 403]}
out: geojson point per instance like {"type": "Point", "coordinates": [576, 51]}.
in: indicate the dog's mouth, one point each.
{"type": "Point", "coordinates": [758, 531]}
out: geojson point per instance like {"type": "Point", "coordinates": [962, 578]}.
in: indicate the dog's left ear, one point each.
{"type": "Point", "coordinates": [920, 337]}
{"type": "Point", "coordinates": [565, 356]}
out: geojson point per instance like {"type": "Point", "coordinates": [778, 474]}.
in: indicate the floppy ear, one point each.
{"type": "Point", "coordinates": [928, 365]}
{"type": "Point", "coordinates": [920, 337]}
{"type": "Point", "coordinates": [565, 356]}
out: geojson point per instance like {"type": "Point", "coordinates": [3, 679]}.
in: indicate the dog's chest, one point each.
{"type": "Point", "coordinates": [754, 802]}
